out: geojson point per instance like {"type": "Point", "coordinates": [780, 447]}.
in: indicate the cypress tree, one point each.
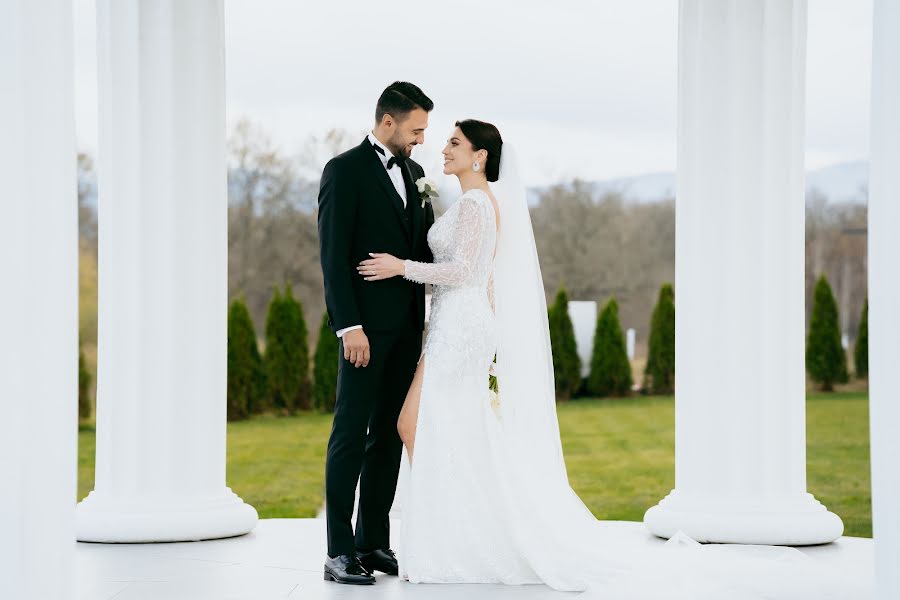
{"type": "Point", "coordinates": [659, 374]}
{"type": "Point", "coordinates": [861, 351]}
{"type": "Point", "coordinates": [84, 384]}
{"type": "Point", "coordinates": [246, 380]}
{"type": "Point", "coordinates": [325, 368]}
{"type": "Point", "coordinates": [826, 361]}
{"type": "Point", "coordinates": [610, 369]}
{"type": "Point", "coordinates": [287, 355]}
{"type": "Point", "coordinates": [566, 364]}
{"type": "Point", "coordinates": [273, 356]}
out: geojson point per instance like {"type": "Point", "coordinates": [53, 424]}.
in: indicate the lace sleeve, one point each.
{"type": "Point", "coordinates": [468, 234]}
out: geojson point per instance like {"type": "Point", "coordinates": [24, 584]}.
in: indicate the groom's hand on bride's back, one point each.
{"type": "Point", "coordinates": [356, 348]}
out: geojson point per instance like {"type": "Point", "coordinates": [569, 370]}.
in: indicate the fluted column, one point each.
{"type": "Point", "coordinates": [740, 437]}
{"type": "Point", "coordinates": [161, 407]}
{"type": "Point", "coordinates": [39, 301]}
{"type": "Point", "coordinates": [884, 296]}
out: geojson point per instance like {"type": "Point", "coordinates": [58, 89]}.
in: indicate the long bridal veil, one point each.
{"type": "Point", "coordinates": [528, 453]}
{"type": "Point", "coordinates": [556, 533]}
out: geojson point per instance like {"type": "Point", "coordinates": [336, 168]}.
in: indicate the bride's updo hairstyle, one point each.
{"type": "Point", "coordinates": [484, 136]}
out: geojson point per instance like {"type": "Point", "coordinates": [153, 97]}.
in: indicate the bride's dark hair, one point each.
{"type": "Point", "coordinates": [484, 136]}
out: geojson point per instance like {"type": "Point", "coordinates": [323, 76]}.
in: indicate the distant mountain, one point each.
{"type": "Point", "coordinates": [840, 183]}
{"type": "Point", "coordinates": [843, 182]}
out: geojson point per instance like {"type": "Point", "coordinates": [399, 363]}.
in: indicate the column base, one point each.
{"type": "Point", "coordinates": [798, 521]}
{"type": "Point", "coordinates": [100, 518]}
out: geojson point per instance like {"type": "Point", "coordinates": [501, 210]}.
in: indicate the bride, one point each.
{"type": "Point", "coordinates": [488, 497]}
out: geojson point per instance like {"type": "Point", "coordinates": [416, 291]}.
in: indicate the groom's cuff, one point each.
{"type": "Point", "coordinates": [341, 332]}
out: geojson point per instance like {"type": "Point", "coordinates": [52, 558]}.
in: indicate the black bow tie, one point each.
{"type": "Point", "coordinates": [393, 160]}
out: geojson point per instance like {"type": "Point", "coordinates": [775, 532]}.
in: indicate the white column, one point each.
{"type": "Point", "coordinates": [884, 296]}
{"type": "Point", "coordinates": [740, 437]}
{"type": "Point", "coordinates": [160, 469]}
{"type": "Point", "coordinates": [39, 301]}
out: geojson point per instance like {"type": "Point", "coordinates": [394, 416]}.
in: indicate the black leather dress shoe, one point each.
{"type": "Point", "coordinates": [347, 569]}
{"type": "Point", "coordinates": [379, 560]}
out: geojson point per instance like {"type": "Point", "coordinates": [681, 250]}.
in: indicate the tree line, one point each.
{"type": "Point", "coordinates": [826, 359]}
{"type": "Point", "coordinates": [277, 379]}
{"type": "Point", "coordinates": [610, 371]}
{"type": "Point", "coordinates": [596, 246]}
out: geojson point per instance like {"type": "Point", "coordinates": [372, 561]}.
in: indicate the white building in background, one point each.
{"type": "Point", "coordinates": [740, 456]}
{"type": "Point", "coordinates": [583, 314]}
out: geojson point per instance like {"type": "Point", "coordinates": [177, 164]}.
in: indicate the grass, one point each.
{"type": "Point", "coordinates": [619, 453]}
{"type": "Point", "coordinates": [277, 464]}
{"type": "Point", "coordinates": [837, 458]}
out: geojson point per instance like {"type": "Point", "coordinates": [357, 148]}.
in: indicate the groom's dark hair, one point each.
{"type": "Point", "coordinates": [399, 99]}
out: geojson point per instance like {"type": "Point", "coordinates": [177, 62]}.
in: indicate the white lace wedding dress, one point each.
{"type": "Point", "coordinates": [487, 498]}
{"type": "Point", "coordinates": [453, 529]}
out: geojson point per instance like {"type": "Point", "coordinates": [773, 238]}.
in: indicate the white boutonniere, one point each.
{"type": "Point", "coordinates": [427, 190]}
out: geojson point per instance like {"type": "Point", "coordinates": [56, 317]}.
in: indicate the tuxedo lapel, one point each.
{"type": "Point", "coordinates": [387, 186]}
{"type": "Point", "coordinates": [413, 202]}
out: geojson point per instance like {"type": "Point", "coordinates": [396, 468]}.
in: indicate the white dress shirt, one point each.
{"type": "Point", "coordinates": [396, 176]}
{"type": "Point", "coordinates": [395, 173]}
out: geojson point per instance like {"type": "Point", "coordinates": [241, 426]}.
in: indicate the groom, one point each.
{"type": "Point", "coordinates": [368, 202]}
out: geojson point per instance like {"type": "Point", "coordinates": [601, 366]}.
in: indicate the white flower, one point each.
{"type": "Point", "coordinates": [424, 183]}
{"type": "Point", "coordinates": [427, 189]}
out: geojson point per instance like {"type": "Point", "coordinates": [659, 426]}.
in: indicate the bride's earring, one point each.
{"type": "Point", "coordinates": [476, 167]}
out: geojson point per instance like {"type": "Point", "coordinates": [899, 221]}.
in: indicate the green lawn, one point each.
{"type": "Point", "coordinates": [620, 457]}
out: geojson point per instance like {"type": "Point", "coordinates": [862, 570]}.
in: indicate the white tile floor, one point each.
{"type": "Point", "coordinates": [282, 558]}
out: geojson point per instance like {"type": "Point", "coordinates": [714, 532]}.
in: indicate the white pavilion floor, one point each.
{"type": "Point", "coordinates": [282, 558]}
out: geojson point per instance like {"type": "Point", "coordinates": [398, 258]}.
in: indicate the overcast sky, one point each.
{"type": "Point", "coordinates": [584, 88]}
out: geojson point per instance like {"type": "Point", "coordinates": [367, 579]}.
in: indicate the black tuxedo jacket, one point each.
{"type": "Point", "coordinates": [360, 212]}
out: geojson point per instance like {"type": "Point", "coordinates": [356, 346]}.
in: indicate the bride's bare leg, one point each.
{"type": "Point", "coordinates": [409, 414]}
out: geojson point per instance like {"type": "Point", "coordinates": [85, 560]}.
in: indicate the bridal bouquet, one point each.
{"type": "Point", "coordinates": [493, 388]}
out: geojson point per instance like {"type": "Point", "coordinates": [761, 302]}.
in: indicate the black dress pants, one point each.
{"type": "Point", "coordinates": [364, 445]}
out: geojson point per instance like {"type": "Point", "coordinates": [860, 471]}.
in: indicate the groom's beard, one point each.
{"type": "Point", "coordinates": [399, 150]}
